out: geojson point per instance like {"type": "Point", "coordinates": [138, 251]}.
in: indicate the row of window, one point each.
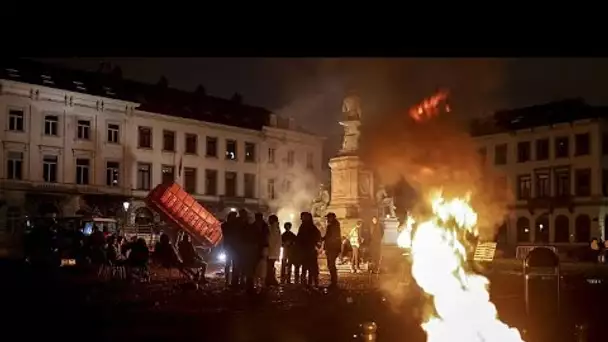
{"type": "Point", "coordinates": [211, 147]}
{"type": "Point", "coordinates": [83, 132]}
{"type": "Point", "coordinates": [51, 127]}
{"type": "Point", "coordinates": [191, 144]}
{"type": "Point", "coordinates": [144, 176]}
{"type": "Point", "coordinates": [561, 149]}
{"type": "Point", "coordinates": [562, 183]}
{"type": "Point", "coordinates": [582, 229]}
{"type": "Point", "coordinates": [14, 169]}
{"type": "Point", "coordinates": [190, 183]}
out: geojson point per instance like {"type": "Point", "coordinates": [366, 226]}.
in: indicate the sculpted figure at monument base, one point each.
{"type": "Point", "coordinates": [320, 202]}
{"type": "Point", "coordinates": [386, 203]}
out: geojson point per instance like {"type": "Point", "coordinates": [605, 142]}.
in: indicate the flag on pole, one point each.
{"type": "Point", "coordinates": [179, 170]}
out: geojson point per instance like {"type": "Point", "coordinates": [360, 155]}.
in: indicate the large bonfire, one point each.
{"type": "Point", "coordinates": [439, 237]}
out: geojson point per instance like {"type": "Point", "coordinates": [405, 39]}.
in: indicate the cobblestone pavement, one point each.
{"type": "Point", "coordinates": [167, 309]}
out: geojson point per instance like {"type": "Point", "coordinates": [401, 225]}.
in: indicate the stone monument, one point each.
{"type": "Point", "coordinates": [388, 217]}
{"type": "Point", "coordinates": [352, 185]}
{"type": "Point", "coordinates": [319, 207]}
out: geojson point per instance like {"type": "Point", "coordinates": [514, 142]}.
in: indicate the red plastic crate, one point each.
{"type": "Point", "coordinates": [181, 210]}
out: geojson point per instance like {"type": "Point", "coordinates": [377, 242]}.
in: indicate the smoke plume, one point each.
{"type": "Point", "coordinates": [437, 153]}
{"type": "Point", "coordinates": [294, 195]}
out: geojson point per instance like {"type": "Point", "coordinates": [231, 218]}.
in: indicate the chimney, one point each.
{"type": "Point", "coordinates": [237, 98]}
{"type": "Point", "coordinates": [163, 82]}
{"type": "Point", "coordinates": [292, 124]}
{"type": "Point", "coordinates": [200, 90]}
{"type": "Point", "coordinates": [272, 121]}
{"type": "Point", "coordinates": [117, 72]}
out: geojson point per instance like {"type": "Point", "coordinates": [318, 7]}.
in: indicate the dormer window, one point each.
{"type": "Point", "coordinates": [14, 73]}
{"type": "Point", "coordinates": [109, 91]}
{"type": "Point", "coordinates": [80, 86]}
{"type": "Point", "coordinates": [517, 119]}
{"type": "Point", "coordinates": [46, 79]}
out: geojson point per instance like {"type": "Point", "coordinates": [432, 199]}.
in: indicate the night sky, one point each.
{"type": "Point", "coordinates": [311, 90]}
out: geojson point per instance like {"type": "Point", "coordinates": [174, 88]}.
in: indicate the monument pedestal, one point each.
{"type": "Point", "coordinates": [351, 190]}
{"type": "Point", "coordinates": [391, 233]}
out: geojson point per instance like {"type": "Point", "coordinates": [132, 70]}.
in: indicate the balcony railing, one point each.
{"type": "Point", "coordinates": [555, 201]}
{"type": "Point", "coordinates": [11, 184]}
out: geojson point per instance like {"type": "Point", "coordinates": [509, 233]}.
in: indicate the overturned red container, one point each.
{"type": "Point", "coordinates": [177, 208]}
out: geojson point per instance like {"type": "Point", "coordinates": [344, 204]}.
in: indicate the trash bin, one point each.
{"type": "Point", "coordinates": [542, 289]}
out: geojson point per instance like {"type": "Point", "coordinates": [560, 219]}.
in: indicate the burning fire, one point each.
{"type": "Point", "coordinates": [404, 240]}
{"type": "Point", "coordinates": [460, 298]}
{"type": "Point", "coordinates": [430, 106]}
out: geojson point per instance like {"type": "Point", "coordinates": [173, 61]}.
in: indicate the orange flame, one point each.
{"type": "Point", "coordinates": [460, 297]}
{"type": "Point", "coordinates": [429, 107]}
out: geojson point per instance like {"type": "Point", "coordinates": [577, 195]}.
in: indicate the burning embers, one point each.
{"type": "Point", "coordinates": [430, 106]}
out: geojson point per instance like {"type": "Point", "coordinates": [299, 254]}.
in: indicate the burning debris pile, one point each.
{"type": "Point", "coordinates": [442, 163]}
{"type": "Point", "coordinates": [461, 307]}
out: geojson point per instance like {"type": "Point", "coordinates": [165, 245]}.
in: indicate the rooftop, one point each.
{"type": "Point", "coordinates": [564, 111]}
{"type": "Point", "coordinates": [159, 98]}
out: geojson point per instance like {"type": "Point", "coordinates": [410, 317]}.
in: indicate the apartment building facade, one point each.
{"type": "Point", "coordinates": [73, 143]}
{"type": "Point", "coordinates": [555, 160]}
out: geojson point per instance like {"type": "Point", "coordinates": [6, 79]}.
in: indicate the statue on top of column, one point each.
{"type": "Point", "coordinates": [351, 108]}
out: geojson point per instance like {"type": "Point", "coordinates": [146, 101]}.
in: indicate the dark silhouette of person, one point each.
{"type": "Point", "coordinates": [333, 246]}
{"type": "Point", "coordinates": [140, 254]}
{"type": "Point", "coordinates": [376, 236]}
{"type": "Point", "coordinates": [251, 247]}
{"type": "Point", "coordinates": [289, 260]}
{"type": "Point", "coordinates": [97, 243]}
{"type": "Point", "coordinates": [139, 258]}
{"type": "Point", "coordinates": [164, 253]}
{"type": "Point", "coordinates": [167, 257]}
{"type": "Point", "coordinates": [112, 250]}
{"type": "Point", "coordinates": [242, 248]}
{"type": "Point", "coordinates": [97, 238]}
{"type": "Point", "coordinates": [274, 250]}
{"type": "Point", "coordinates": [230, 244]}
{"type": "Point", "coordinates": [191, 260]}
{"type": "Point", "coordinates": [259, 248]}
{"type": "Point", "coordinates": [344, 249]}
{"type": "Point", "coordinates": [308, 238]}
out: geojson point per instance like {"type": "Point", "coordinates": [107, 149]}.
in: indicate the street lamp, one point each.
{"type": "Point", "coordinates": [126, 206]}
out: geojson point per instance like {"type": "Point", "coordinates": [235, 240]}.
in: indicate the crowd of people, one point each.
{"type": "Point", "coordinates": [254, 247]}
{"type": "Point", "coordinates": [102, 251]}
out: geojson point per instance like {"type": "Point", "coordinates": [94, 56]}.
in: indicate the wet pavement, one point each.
{"type": "Point", "coordinates": [166, 309]}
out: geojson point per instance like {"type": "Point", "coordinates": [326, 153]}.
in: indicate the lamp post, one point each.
{"type": "Point", "coordinates": [126, 206]}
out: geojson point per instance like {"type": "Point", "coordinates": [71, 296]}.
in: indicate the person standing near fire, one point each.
{"type": "Point", "coordinates": [333, 247]}
{"type": "Point", "coordinates": [307, 239]}
{"type": "Point", "coordinates": [375, 245]}
{"type": "Point", "coordinates": [290, 260]}
{"type": "Point", "coordinates": [230, 233]}
{"type": "Point", "coordinates": [355, 242]}
{"type": "Point", "coordinates": [274, 250]}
